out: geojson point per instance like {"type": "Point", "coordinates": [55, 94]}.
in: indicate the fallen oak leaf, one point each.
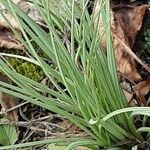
{"type": "Point", "coordinates": [128, 21]}
{"type": "Point", "coordinates": [125, 63]}
{"type": "Point", "coordinates": [125, 26]}
{"type": "Point", "coordinates": [136, 16]}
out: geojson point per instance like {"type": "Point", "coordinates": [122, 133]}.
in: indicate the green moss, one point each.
{"type": "Point", "coordinates": [27, 69]}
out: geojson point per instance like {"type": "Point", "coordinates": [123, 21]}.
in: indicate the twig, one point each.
{"type": "Point", "coordinates": [28, 125]}
{"type": "Point", "coordinates": [27, 137]}
{"type": "Point", "coordinates": [13, 108]}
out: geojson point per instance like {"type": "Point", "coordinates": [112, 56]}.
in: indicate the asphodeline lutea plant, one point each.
{"type": "Point", "coordinates": [90, 97]}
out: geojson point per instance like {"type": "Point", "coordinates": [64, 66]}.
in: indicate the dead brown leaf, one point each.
{"type": "Point", "coordinates": [142, 89]}
{"type": "Point", "coordinates": [125, 63]}
{"type": "Point", "coordinates": [128, 21]}
{"type": "Point", "coordinates": [11, 41]}
{"type": "Point", "coordinates": [7, 37]}
{"type": "Point", "coordinates": [8, 40]}
{"type": "Point", "coordinates": [8, 102]}
{"type": "Point", "coordinates": [129, 51]}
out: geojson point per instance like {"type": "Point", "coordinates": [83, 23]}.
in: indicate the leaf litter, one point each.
{"type": "Point", "coordinates": [126, 23]}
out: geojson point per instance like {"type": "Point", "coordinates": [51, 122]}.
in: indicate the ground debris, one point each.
{"type": "Point", "coordinates": [126, 22]}
{"type": "Point", "coordinates": [7, 102]}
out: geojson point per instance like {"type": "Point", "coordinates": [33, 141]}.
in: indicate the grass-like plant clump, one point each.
{"type": "Point", "coordinates": [92, 98]}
